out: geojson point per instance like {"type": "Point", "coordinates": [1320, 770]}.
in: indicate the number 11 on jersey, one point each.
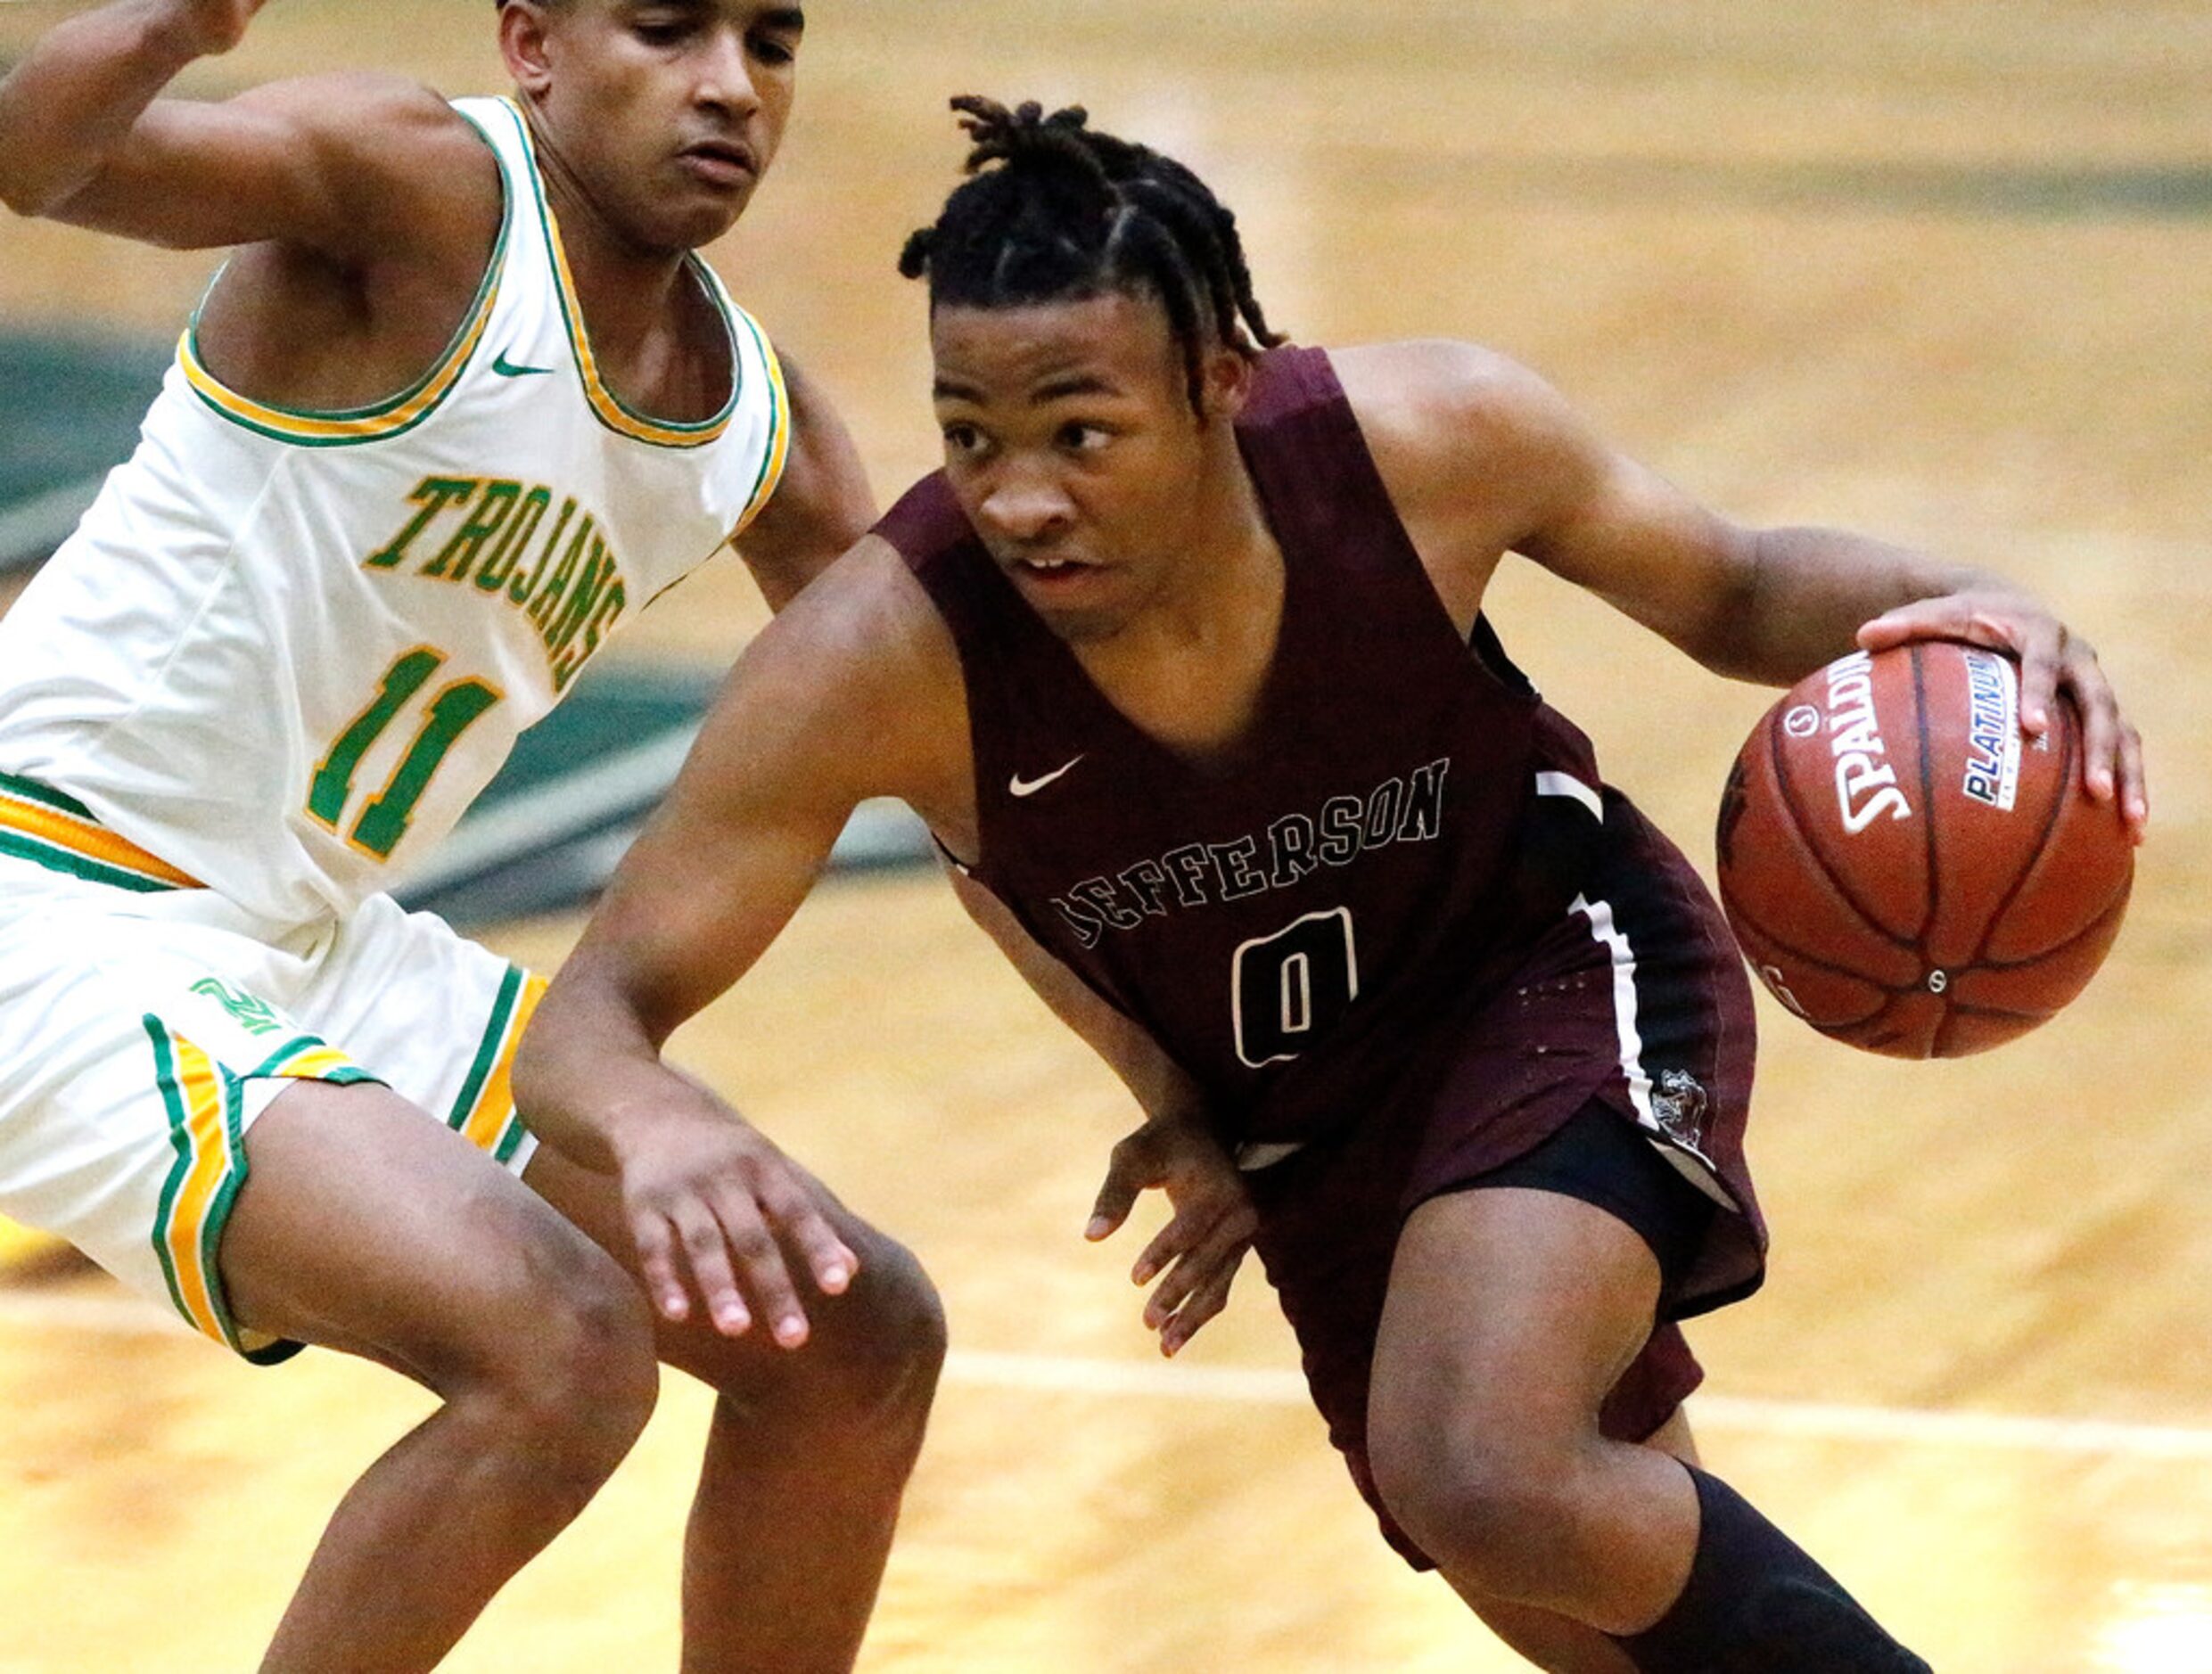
{"type": "Point", "coordinates": [383, 820]}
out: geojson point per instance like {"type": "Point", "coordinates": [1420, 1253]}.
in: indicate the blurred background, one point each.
{"type": "Point", "coordinates": [1936, 269]}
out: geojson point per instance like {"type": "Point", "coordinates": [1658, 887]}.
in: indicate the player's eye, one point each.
{"type": "Point", "coordinates": [1077, 438]}
{"type": "Point", "coordinates": [776, 50]}
{"type": "Point", "coordinates": [963, 439]}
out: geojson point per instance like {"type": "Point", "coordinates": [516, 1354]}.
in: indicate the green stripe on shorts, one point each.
{"type": "Point", "coordinates": [488, 1053]}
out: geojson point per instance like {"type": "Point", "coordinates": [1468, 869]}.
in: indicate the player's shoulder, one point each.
{"type": "Point", "coordinates": [865, 626]}
{"type": "Point", "coordinates": [861, 662]}
{"type": "Point", "coordinates": [1433, 389]}
{"type": "Point", "coordinates": [371, 108]}
{"type": "Point", "coordinates": [925, 522]}
{"type": "Point", "coordinates": [391, 136]}
{"type": "Point", "coordinates": [1450, 417]}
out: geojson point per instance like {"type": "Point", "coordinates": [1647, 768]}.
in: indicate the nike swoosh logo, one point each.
{"type": "Point", "coordinates": [1029, 787]}
{"type": "Point", "coordinates": [506, 368]}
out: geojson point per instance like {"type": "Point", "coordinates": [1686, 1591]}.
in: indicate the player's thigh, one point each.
{"type": "Point", "coordinates": [881, 1338]}
{"type": "Point", "coordinates": [366, 1225]}
{"type": "Point", "coordinates": [436, 1018]}
{"type": "Point", "coordinates": [1510, 1311]}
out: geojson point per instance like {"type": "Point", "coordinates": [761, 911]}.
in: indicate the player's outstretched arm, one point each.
{"type": "Point", "coordinates": [1484, 456]}
{"type": "Point", "coordinates": [346, 165]}
{"type": "Point", "coordinates": [1197, 1254]}
{"type": "Point", "coordinates": [810, 722]}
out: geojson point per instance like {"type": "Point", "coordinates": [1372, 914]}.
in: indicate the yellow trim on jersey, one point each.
{"type": "Point", "coordinates": [368, 424]}
{"type": "Point", "coordinates": [778, 451]}
{"type": "Point", "coordinates": [50, 828]}
{"type": "Point", "coordinates": [376, 423]}
{"type": "Point", "coordinates": [610, 408]}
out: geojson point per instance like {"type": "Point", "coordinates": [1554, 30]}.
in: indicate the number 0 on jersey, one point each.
{"type": "Point", "coordinates": [1285, 989]}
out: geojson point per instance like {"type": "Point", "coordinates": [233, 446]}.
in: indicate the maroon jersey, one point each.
{"type": "Point", "coordinates": [1291, 922]}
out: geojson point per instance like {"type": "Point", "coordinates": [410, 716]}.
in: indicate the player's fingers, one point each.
{"type": "Point", "coordinates": [2134, 786]}
{"type": "Point", "coordinates": [707, 1253]}
{"type": "Point", "coordinates": [1951, 617]}
{"type": "Point", "coordinates": [795, 1212]}
{"type": "Point", "coordinates": [2042, 648]}
{"type": "Point", "coordinates": [1217, 1257]}
{"type": "Point", "coordinates": [1175, 1288]}
{"type": "Point", "coordinates": [1207, 1301]}
{"type": "Point", "coordinates": [760, 1267]}
{"type": "Point", "coordinates": [2100, 729]}
{"type": "Point", "coordinates": [656, 1262]}
{"type": "Point", "coordinates": [1183, 1232]}
{"type": "Point", "coordinates": [1130, 1169]}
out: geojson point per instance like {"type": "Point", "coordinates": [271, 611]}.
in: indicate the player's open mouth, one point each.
{"type": "Point", "coordinates": [1054, 571]}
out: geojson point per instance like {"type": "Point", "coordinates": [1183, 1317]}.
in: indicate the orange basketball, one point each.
{"type": "Point", "coordinates": [1904, 869]}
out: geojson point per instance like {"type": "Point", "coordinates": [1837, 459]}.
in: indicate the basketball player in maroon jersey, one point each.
{"type": "Point", "coordinates": [1181, 658]}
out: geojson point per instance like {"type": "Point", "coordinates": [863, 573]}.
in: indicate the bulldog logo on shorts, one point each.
{"type": "Point", "coordinates": [1680, 1106]}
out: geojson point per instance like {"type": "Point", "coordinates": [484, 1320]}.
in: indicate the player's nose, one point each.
{"type": "Point", "coordinates": [725, 72]}
{"type": "Point", "coordinates": [1025, 506]}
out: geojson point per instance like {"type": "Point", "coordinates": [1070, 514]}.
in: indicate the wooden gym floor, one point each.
{"type": "Point", "coordinates": [1937, 268]}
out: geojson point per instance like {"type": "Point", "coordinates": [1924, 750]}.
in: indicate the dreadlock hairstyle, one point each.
{"type": "Point", "coordinates": [1068, 213]}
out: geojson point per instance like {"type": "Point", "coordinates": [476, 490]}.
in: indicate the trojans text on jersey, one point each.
{"type": "Point", "coordinates": [569, 582]}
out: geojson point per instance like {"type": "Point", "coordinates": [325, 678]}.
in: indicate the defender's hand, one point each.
{"type": "Point", "coordinates": [1202, 1246]}
{"type": "Point", "coordinates": [705, 1190]}
{"type": "Point", "coordinates": [2051, 660]}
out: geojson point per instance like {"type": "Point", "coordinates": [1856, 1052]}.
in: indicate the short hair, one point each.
{"type": "Point", "coordinates": [1054, 210]}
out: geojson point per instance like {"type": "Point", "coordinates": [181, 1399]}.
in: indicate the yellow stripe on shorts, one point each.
{"type": "Point", "coordinates": [206, 1101]}
{"type": "Point", "coordinates": [484, 1112]}
{"type": "Point", "coordinates": [202, 1099]}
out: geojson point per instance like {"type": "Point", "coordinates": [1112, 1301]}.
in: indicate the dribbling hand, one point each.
{"type": "Point", "coordinates": [2053, 660]}
{"type": "Point", "coordinates": [1197, 1254]}
{"type": "Point", "coordinates": [708, 1197]}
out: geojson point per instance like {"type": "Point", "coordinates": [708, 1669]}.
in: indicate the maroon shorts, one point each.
{"type": "Point", "coordinates": [1635, 1002]}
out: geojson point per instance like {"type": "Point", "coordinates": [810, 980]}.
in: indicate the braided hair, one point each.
{"type": "Point", "coordinates": [1069, 213]}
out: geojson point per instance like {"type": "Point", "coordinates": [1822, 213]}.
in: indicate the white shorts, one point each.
{"type": "Point", "coordinates": [143, 1027]}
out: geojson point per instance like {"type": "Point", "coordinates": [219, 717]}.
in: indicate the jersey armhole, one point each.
{"type": "Point", "coordinates": [382, 420]}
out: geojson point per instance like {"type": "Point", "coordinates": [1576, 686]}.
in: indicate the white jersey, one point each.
{"type": "Point", "coordinates": [285, 651]}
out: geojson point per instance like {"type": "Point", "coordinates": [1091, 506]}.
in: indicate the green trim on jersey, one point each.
{"type": "Point", "coordinates": [612, 411]}
{"type": "Point", "coordinates": [382, 421]}
{"type": "Point", "coordinates": [779, 449]}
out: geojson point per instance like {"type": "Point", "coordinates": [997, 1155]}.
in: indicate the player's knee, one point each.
{"type": "Point", "coordinates": [888, 1342]}
{"type": "Point", "coordinates": [870, 1367]}
{"type": "Point", "coordinates": [1486, 1509]}
{"type": "Point", "coordinates": [568, 1379]}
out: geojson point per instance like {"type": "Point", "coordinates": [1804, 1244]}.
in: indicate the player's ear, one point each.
{"type": "Point", "coordinates": [524, 27]}
{"type": "Point", "coordinates": [1224, 383]}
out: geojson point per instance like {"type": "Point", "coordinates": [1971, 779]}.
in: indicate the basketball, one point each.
{"type": "Point", "coordinates": [1906, 870]}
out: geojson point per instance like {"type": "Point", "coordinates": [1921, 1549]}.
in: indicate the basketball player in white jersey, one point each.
{"type": "Point", "coordinates": [461, 404]}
